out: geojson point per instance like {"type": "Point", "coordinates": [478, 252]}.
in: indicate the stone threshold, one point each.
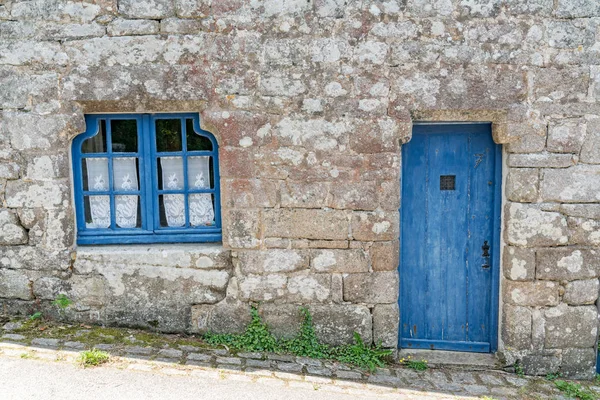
{"type": "Point", "coordinates": [454, 359]}
{"type": "Point", "coordinates": [278, 369]}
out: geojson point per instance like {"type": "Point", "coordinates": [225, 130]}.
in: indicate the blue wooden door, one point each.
{"type": "Point", "coordinates": [449, 235]}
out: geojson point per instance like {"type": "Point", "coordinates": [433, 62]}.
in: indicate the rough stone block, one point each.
{"type": "Point", "coordinates": [342, 261]}
{"type": "Point", "coordinates": [283, 288]}
{"type": "Point", "coordinates": [371, 288]}
{"type": "Point", "coordinates": [49, 10]}
{"type": "Point", "coordinates": [194, 8]}
{"type": "Point", "coordinates": [33, 258]}
{"type": "Point", "coordinates": [172, 283]}
{"type": "Point", "coordinates": [539, 160]}
{"type": "Point", "coordinates": [577, 9]}
{"type": "Point", "coordinates": [249, 193]}
{"type": "Point", "coordinates": [305, 223]}
{"type": "Point", "coordinates": [28, 131]}
{"type": "Point", "coordinates": [14, 284]}
{"type": "Point", "coordinates": [48, 287]}
{"type": "Point", "coordinates": [180, 26]}
{"type": "Point", "coordinates": [334, 324]}
{"type": "Point", "coordinates": [385, 256]}
{"type": "Point", "coordinates": [272, 261]}
{"type": "Point", "coordinates": [36, 194]}
{"type": "Point", "coordinates": [529, 226]}
{"type": "Point", "coordinates": [375, 226]}
{"type": "Point", "coordinates": [522, 185]}
{"type": "Point", "coordinates": [579, 183]}
{"type": "Point", "coordinates": [241, 228]}
{"type": "Point", "coordinates": [354, 195]}
{"type": "Point", "coordinates": [541, 364]}
{"type": "Point", "coordinates": [305, 194]}
{"type": "Point", "coordinates": [130, 27]}
{"type": "Point", "coordinates": [11, 231]}
{"type": "Point", "coordinates": [516, 327]}
{"type": "Point", "coordinates": [566, 136]}
{"type": "Point", "coordinates": [569, 327]}
{"type": "Point", "coordinates": [567, 264]}
{"type": "Point", "coordinates": [590, 151]}
{"type": "Point", "coordinates": [578, 363]}
{"type": "Point", "coordinates": [581, 292]}
{"type": "Point", "coordinates": [530, 138]}
{"type": "Point", "coordinates": [146, 9]}
{"type": "Point", "coordinates": [519, 263]}
{"type": "Point", "coordinates": [569, 34]}
{"type": "Point", "coordinates": [386, 319]}
{"type": "Point", "coordinates": [561, 85]}
{"type": "Point", "coordinates": [223, 317]}
{"type": "Point", "coordinates": [584, 231]}
{"type": "Point", "coordinates": [533, 294]}
{"type": "Point", "coordinates": [586, 211]}
{"type": "Point", "coordinates": [530, 7]}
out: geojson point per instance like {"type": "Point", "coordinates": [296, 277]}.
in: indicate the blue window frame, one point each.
{"type": "Point", "coordinates": [146, 178]}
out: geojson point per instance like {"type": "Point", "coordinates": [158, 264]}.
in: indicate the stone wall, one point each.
{"type": "Point", "coordinates": [310, 101]}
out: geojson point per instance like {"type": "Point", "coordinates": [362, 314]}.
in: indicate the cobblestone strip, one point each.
{"type": "Point", "coordinates": [276, 369]}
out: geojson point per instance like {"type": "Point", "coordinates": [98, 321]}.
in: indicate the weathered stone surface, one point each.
{"type": "Point", "coordinates": [223, 317]}
{"type": "Point", "coordinates": [11, 231]}
{"type": "Point", "coordinates": [577, 8]}
{"type": "Point", "coordinates": [522, 185]}
{"type": "Point", "coordinates": [304, 223]}
{"type": "Point", "coordinates": [529, 226]}
{"type": "Point", "coordinates": [33, 258]}
{"type": "Point", "coordinates": [128, 27]}
{"type": "Point", "coordinates": [272, 261]}
{"type": "Point", "coordinates": [35, 194]}
{"type": "Point", "coordinates": [283, 288]}
{"type": "Point", "coordinates": [334, 324]}
{"type": "Point", "coordinates": [537, 293]}
{"type": "Point", "coordinates": [576, 184]}
{"type": "Point", "coordinates": [386, 319]}
{"type": "Point", "coordinates": [342, 261]}
{"type": "Point", "coordinates": [242, 228]}
{"type": "Point", "coordinates": [537, 160]}
{"type": "Point", "coordinates": [566, 136]}
{"type": "Point", "coordinates": [578, 363]}
{"type": "Point", "coordinates": [305, 194]}
{"type": "Point", "coordinates": [376, 225]}
{"type": "Point", "coordinates": [541, 363]}
{"type": "Point", "coordinates": [147, 9]}
{"type": "Point", "coordinates": [587, 211]}
{"type": "Point", "coordinates": [567, 264]}
{"type": "Point", "coordinates": [170, 274]}
{"type": "Point", "coordinates": [519, 263]}
{"type": "Point", "coordinates": [385, 256]}
{"type": "Point", "coordinates": [371, 288]}
{"type": "Point", "coordinates": [581, 292]}
{"type": "Point", "coordinates": [568, 327]}
{"type": "Point", "coordinates": [590, 151]}
{"type": "Point", "coordinates": [250, 193]}
{"type": "Point", "coordinates": [14, 284]}
{"type": "Point", "coordinates": [584, 231]}
{"type": "Point", "coordinates": [516, 327]}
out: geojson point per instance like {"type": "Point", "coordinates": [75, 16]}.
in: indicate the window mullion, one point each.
{"type": "Point", "coordinates": [113, 210]}
{"type": "Point", "coordinates": [185, 172]}
{"type": "Point", "coordinates": [147, 139]}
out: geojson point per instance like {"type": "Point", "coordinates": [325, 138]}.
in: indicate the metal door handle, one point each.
{"type": "Point", "coordinates": [486, 255]}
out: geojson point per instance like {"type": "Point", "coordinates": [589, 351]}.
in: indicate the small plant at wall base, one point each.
{"type": "Point", "coordinates": [257, 337]}
{"type": "Point", "coordinates": [62, 301]}
{"type": "Point", "coordinates": [92, 358]}
{"type": "Point", "coordinates": [575, 391]}
{"type": "Point", "coordinates": [414, 364]}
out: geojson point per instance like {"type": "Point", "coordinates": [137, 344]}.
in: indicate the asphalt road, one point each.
{"type": "Point", "coordinates": [34, 379]}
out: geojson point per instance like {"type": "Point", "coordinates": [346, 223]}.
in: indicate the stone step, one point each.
{"type": "Point", "coordinates": [453, 359]}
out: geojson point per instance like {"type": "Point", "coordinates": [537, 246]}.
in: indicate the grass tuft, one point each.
{"type": "Point", "coordinates": [93, 358]}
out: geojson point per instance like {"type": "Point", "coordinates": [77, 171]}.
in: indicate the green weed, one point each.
{"type": "Point", "coordinates": [62, 301]}
{"type": "Point", "coordinates": [257, 337]}
{"type": "Point", "coordinates": [574, 390]}
{"type": "Point", "coordinates": [519, 369]}
{"type": "Point", "coordinates": [417, 365]}
{"type": "Point", "coordinates": [92, 358]}
{"type": "Point", "coordinates": [35, 316]}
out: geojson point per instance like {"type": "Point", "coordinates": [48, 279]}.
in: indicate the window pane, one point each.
{"type": "Point", "coordinates": [168, 135]}
{"type": "Point", "coordinates": [195, 142]}
{"type": "Point", "coordinates": [125, 173]}
{"type": "Point", "coordinates": [172, 210]}
{"type": "Point", "coordinates": [124, 135]}
{"type": "Point", "coordinates": [170, 173]}
{"type": "Point", "coordinates": [199, 172]}
{"type": "Point", "coordinates": [202, 210]}
{"type": "Point", "coordinates": [128, 214]}
{"type": "Point", "coordinates": [95, 174]}
{"type": "Point", "coordinates": [97, 143]}
{"type": "Point", "coordinates": [97, 212]}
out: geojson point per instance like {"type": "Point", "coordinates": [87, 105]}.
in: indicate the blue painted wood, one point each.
{"type": "Point", "coordinates": [150, 231]}
{"type": "Point", "coordinates": [448, 300]}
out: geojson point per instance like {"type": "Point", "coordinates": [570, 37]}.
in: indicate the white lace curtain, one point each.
{"type": "Point", "coordinates": [201, 210]}
{"type": "Point", "coordinates": [124, 179]}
